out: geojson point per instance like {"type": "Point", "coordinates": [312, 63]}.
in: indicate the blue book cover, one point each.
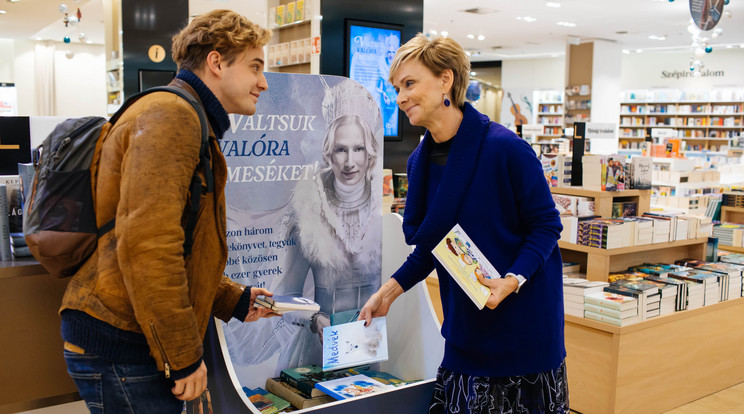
{"type": "Point", "coordinates": [349, 387]}
{"type": "Point", "coordinates": [352, 344]}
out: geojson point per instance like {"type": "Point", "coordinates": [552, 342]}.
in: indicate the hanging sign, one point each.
{"type": "Point", "coordinates": [706, 13]}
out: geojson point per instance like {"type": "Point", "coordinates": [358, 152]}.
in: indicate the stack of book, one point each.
{"type": "Point", "coordinates": [570, 268]}
{"type": "Point", "coordinates": [661, 229]}
{"type": "Point", "coordinates": [647, 293]}
{"type": "Point", "coordinates": [574, 292]}
{"type": "Point", "coordinates": [729, 234]}
{"type": "Point", "coordinates": [730, 280]}
{"type": "Point", "coordinates": [604, 233]}
{"type": "Point", "coordinates": [667, 292]}
{"type": "Point", "coordinates": [680, 291]}
{"type": "Point", "coordinates": [619, 310]}
{"type": "Point", "coordinates": [709, 285]}
{"type": "Point", "coordinates": [556, 169]}
{"type": "Point", "coordinates": [638, 172]}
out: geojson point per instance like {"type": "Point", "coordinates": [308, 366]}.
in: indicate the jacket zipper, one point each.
{"type": "Point", "coordinates": [166, 364]}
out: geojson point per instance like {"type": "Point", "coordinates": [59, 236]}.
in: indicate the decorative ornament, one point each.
{"type": "Point", "coordinates": [82, 37]}
{"type": "Point", "coordinates": [62, 8]}
{"type": "Point", "coordinates": [726, 2]}
{"type": "Point", "coordinates": [671, 1]}
{"type": "Point", "coordinates": [78, 14]}
{"type": "Point", "coordinates": [73, 21]}
{"type": "Point", "coordinates": [446, 100]}
{"type": "Point", "coordinates": [66, 39]}
{"type": "Point", "coordinates": [708, 49]}
{"type": "Point", "coordinates": [66, 20]}
{"type": "Point", "coordinates": [69, 54]}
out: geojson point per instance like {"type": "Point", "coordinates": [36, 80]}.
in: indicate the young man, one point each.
{"type": "Point", "coordinates": [134, 316]}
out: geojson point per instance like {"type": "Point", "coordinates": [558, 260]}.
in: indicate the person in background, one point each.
{"type": "Point", "coordinates": [510, 356]}
{"type": "Point", "coordinates": [135, 315]}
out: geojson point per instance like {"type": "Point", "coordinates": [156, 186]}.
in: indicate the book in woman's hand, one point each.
{"type": "Point", "coordinates": [461, 258]}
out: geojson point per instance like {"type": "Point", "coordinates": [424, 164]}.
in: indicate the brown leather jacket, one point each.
{"type": "Point", "coordinates": [138, 280]}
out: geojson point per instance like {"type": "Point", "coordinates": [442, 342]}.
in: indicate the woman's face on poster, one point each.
{"type": "Point", "coordinates": [350, 159]}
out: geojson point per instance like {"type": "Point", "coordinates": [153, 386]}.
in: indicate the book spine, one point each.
{"type": "Point", "coordinates": [302, 386]}
{"type": "Point", "coordinates": [5, 253]}
{"type": "Point", "coordinates": [605, 303]}
{"type": "Point", "coordinates": [282, 390]}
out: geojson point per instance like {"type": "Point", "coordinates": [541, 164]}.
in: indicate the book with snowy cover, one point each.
{"type": "Point", "coordinates": [350, 387]}
{"type": "Point", "coordinates": [462, 259]}
{"type": "Point", "coordinates": [352, 344]}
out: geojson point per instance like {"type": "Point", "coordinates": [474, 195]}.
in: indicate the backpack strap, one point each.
{"type": "Point", "coordinates": [197, 186]}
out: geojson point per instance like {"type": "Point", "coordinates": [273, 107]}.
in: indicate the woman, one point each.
{"type": "Point", "coordinates": [476, 173]}
{"type": "Point", "coordinates": [336, 221]}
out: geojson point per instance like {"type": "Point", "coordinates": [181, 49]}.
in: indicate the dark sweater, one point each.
{"type": "Point", "coordinates": [116, 345]}
{"type": "Point", "coordinates": [493, 186]}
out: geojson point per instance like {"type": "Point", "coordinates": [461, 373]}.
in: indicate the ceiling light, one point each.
{"type": "Point", "coordinates": [473, 73]}
{"type": "Point", "coordinates": [553, 4]}
{"type": "Point", "coordinates": [729, 46]}
{"type": "Point", "coordinates": [2, 12]}
{"type": "Point", "coordinates": [626, 51]}
{"type": "Point", "coordinates": [567, 24]}
{"type": "Point", "coordinates": [434, 32]}
{"type": "Point", "coordinates": [13, 1]}
{"type": "Point", "coordinates": [444, 33]}
{"type": "Point", "coordinates": [654, 37]}
{"type": "Point", "coordinates": [481, 37]}
{"type": "Point", "coordinates": [527, 19]}
{"type": "Point", "coordinates": [38, 38]}
{"type": "Point", "coordinates": [470, 36]}
{"type": "Point", "coordinates": [467, 52]}
{"type": "Point", "coordinates": [639, 50]}
{"type": "Point", "coordinates": [741, 45]}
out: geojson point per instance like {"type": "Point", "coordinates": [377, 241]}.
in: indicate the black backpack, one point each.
{"type": "Point", "coordinates": [59, 220]}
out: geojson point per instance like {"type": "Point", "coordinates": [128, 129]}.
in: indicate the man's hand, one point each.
{"type": "Point", "coordinates": [254, 313]}
{"type": "Point", "coordinates": [186, 389]}
{"type": "Point", "coordinates": [500, 288]}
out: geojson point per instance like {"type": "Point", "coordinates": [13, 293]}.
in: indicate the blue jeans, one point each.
{"type": "Point", "coordinates": [121, 388]}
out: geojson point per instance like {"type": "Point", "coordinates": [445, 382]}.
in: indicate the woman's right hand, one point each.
{"type": "Point", "coordinates": [379, 303]}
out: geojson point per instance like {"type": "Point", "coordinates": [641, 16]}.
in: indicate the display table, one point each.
{"type": "Point", "coordinates": [603, 199]}
{"type": "Point", "coordinates": [33, 373]}
{"type": "Point", "coordinates": [656, 365]}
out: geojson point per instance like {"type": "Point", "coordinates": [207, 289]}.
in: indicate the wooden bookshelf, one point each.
{"type": "Point", "coordinates": [599, 263]}
{"type": "Point", "coordinates": [603, 199]}
{"type": "Point", "coordinates": [732, 214]}
{"type": "Point", "coordinates": [655, 365]}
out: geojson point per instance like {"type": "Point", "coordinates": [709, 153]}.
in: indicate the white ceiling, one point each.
{"type": "Point", "coordinates": [507, 35]}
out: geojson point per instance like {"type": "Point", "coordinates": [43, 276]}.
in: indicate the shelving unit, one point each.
{"type": "Point", "coordinates": [603, 199]}
{"type": "Point", "coordinates": [549, 113]}
{"type": "Point", "coordinates": [655, 365]}
{"type": "Point", "coordinates": [732, 215]}
{"type": "Point", "coordinates": [703, 125]}
{"type": "Point", "coordinates": [290, 49]}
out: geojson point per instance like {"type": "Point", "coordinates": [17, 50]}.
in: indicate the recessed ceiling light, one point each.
{"type": "Point", "coordinates": [444, 33]}
{"type": "Point", "coordinates": [654, 37]}
{"type": "Point", "coordinates": [553, 4]}
{"type": "Point", "coordinates": [729, 46]}
{"type": "Point", "coordinates": [2, 12]}
{"type": "Point", "coordinates": [434, 32]}
{"type": "Point", "coordinates": [38, 38]}
{"type": "Point", "coordinates": [626, 51]}
{"type": "Point", "coordinates": [481, 37]}
{"type": "Point", "coordinates": [566, 24]}
{"type": "Point", "coordinates": [639, 50]}
{"type": "Point", "coordinates": [527, 19]}
{"type": "Point", "coordinates": [89, 41]}
{"type": "Point", "coordinates": [470, 36]}
{"type": "Point", "coordinates": [473, 73]}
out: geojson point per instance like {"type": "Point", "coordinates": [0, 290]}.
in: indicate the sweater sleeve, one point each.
{"type": "Point", "coordinates": [537, 213]}
{"type": "Point", "coordinates": [416, 268]}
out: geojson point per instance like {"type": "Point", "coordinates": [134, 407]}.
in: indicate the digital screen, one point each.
{"type": "Point", "coordinates": [150, 78]}
{"type": "Point", "coordinates": [371, 48]}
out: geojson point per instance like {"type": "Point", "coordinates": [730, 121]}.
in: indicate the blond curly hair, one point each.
{"type": "Point", "coordinates": [224, 31]}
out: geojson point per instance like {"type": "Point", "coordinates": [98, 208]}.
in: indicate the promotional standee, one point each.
{"type": "Point", "coordinates": [304, 218]}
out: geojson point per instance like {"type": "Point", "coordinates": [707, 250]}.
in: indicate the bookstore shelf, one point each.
{"type": "Point", "coordinates": [655, 365]}
{"type": "Point", "coordinates": [732, 215]}
{"type": "Point", "coordinates": [603, 199]}
{"type": "Point", "coordinates": [599, 263]}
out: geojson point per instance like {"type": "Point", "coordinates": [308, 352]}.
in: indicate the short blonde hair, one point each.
{"type": "Point", "coordinates": [437, 55]}
{"type": "Point", "coordinates": [224, 31]}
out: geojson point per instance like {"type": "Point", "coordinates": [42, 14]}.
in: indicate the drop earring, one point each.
{"type": "Point", "coordinates": [446, 100]}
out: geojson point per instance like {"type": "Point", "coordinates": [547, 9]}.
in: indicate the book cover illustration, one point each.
{"type": "Point", "coordinates": [352, 344]}
{"type": "Point", "coordinates": [458, 254]}
{"type": "Point", "coordinates": [350, 387]}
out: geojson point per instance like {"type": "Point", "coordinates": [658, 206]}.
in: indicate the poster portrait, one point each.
{"type": "Point", "coordinates": [304, 214]}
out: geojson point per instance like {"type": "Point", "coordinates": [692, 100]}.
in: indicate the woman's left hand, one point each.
{"type": "Point", "coordinates": [500, 288]}
{"type": "Point", "coordinates": [255, 313]}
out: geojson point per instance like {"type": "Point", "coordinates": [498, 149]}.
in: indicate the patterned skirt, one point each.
{"type": "Point", "coordinates": [546, 392]}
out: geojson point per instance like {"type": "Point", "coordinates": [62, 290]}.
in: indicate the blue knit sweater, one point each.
{"type": "Point", "coordinates": [493, 186]}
